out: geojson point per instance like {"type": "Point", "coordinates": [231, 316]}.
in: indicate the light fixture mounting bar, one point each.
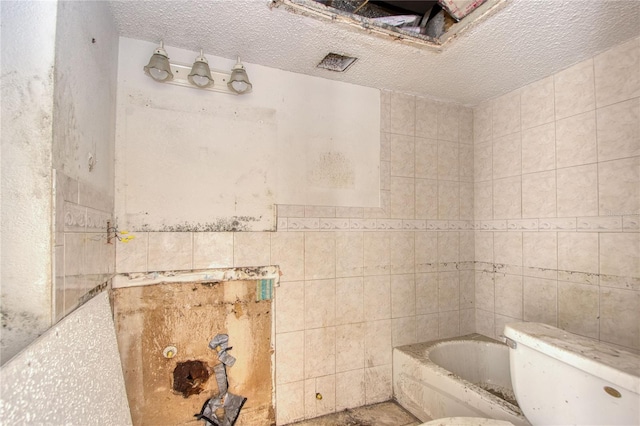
{"type": "Point", "coordinates": [220, 79]}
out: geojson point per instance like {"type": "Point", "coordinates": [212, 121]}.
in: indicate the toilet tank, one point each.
{"type": "Point", "coordinates": [562, 378]}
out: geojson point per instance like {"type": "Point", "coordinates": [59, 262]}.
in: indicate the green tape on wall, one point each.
{"type": "Point", "coordinates": [264, 290]}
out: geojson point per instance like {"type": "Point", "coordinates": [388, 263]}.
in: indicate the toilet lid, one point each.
{"type": "Point", "coordinates": [466, 421]}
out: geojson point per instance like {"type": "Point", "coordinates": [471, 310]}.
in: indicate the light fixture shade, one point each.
{"type": "Point", "coordinates": [239, 81]}
{"type": "Point", "coordinates": [158, 67]}
{"type": "Point", "coordinates": [200, 74]}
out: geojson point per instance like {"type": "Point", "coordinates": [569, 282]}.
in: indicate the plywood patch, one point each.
{"type": "Point", "coordinates": [188, 316]}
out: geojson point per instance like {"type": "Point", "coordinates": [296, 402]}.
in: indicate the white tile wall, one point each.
{"type": "Point", "coordinates": [566, 258]}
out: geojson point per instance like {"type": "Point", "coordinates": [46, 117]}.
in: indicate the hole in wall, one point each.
{"type": "Point", "coordinates": [189, 376]}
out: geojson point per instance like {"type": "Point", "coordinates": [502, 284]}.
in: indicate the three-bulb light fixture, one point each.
{"type": "Point", "coordinates": [197, 75]}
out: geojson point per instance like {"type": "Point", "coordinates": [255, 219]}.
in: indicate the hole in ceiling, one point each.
{"type": "Point", "coordinates": [336, 62]}
{"type": "Point", "coordinates": [429, 22]}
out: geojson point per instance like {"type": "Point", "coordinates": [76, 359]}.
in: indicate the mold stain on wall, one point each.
{"type": "Point", "coordinates": [332, 170]}
{"type": "Point", "coordinates": [187, 316]}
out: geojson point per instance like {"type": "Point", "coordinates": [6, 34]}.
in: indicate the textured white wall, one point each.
{"type": "Point", "coordinates": [71, 375]}
{"type": "Point", "coordinates": [188, 159]}
{"type": "Point", "coordinates": [28, 37]}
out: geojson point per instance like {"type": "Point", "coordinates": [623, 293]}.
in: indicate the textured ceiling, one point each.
{"type": "Point", "coordinates": [525, 41]}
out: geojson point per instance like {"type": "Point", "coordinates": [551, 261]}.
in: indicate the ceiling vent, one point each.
{"type": "Point", "coordinates": [336, 62]}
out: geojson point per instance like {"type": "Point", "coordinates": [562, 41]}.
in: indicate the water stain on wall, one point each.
{"type": "Point", "coordinates": [188, 315]}
{"type": "Point", "coordinates": [332, 170]}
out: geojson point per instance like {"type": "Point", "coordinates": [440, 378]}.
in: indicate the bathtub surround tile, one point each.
{"type": "Point", "coordinates": [290, 210]}
{"type": "Point", "coordinates": [132, 256]}
{"type": "Point", "coordinates": [537, 103]}
{"type": "Point", "coordinates": [251, 249]}
{"type": "Point", "coordinates": [576, 140]}
{"type": "Point", "coordinates": [448, 159]}
{"type": "Point", "coordinates": [539, 148]}
{"type": "Point", "coordinates": [377, 343]}
{"type": "Point", "coordinates": [448, 250]}
{"type": "Point", "coordinates": [483, 200]}
{"type": "Point", "coordinates": [467, 321]}
{"type": "Point", "coordinates": [578, 309]}
{"type": "Point", "coordinates": [427, 327]}
{"type": "Point", "coordinates": [290, 402]}
{"type": "Point", "coordinates": [539, 194]}
{"type": "Point", "coordinates": [377, 297]}
{"type": "Point", "coordinates": [289, 357]}
{"type": "Point", "coordinates": [350, 389]}
{"type": "Point", "coordinates": [507, 196]}
{"type": "Point", "coordinates": [426, 158]}
{"type": "Point", "coordinates": [303, 223]}
{"type": "Point", "coordinates": [467, 247]}
{"type": "Point", "coordinates": [319, 352]}
{"type": "Point", "coordinates": [574, 90]}
{"type": "Point", "coordinates": [578, 251]}
{"type": "Point", "coordinates": [403, 331]}
{"type": "Point", "coordinates": [482, 162]}
{"type": "Point", "coordinates": [319, 255]}
{"type": "Point", "coordinates": [319, 211]}
{"type": "Point", "coordinates": [385, 177]}
{"type": "Point", "coordinates": [426, 293]}
{"type": "Point", "coordinates": [482, 122]}
{"type": "Point", "coordinates": [349, 300]}
{"type": "Point", "coordinates": [448, 291]}
{"type": "Point", "coordinates": [378, 384]}
{"type": "Point", "coordinates": [506, 114]}
{"type": "Point", "coordinates": [619, 187]}
{"type": "Point", "coordinates": [448, 324]}
{"type": "Point", "coordinates": [350, 347]}
{"type": "Point", "coordinates": [448, 200]}
{"type": "Point", "coordinates": [402, 198]}
{"type": "Point", "coordinates": [619, 317]}
{"type": "Point", "coordinates": [507, 156]}
{"type": "Point", "coordinates": [320, 303]}
{"type": "Point", "coordinates": [508, 248]}
{"type": "Point", "coordinates": [619, 130]}
{"type": "Point", "coordinates": [509, 295]}
{"type": "Point", "coordinates": [540, 250]}
{"type": "Point", "coordinates": [620, 254]}
{"type": "Point", "coordinates": [599, 224]}
{"type": "Point", "coordinates": [500, 322]}
{"type": "Point", "coordinates": [484, 247]}
{"type": "Point", "coordinates": [578, 191]}
{"type": "Point", "coordinates": [465, 135]}
{"type": "Point", "coordinates": [485, 323]}
{"type": "Point", "coordinates": [376, 253]}
{"type": "Point", "coordinates": [426, 252]}
{"type": "Point", "coordinates": [540, 300]}
{"type": "Point", "coordinates": [467, 289]}
{"type": "Point", "coordinates": [466, 163]}
{"type": "Point", "coordinates": [631, 223]}
{"type": "Point", "coordinates": [617, 73]}
{"type": "Point", "coordinates": [287, 251]}
{"type": "Point", "coordinates": [170, 251]}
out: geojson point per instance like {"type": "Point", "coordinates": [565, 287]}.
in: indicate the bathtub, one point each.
{"type": "Point", "coordinates": [466, 376]}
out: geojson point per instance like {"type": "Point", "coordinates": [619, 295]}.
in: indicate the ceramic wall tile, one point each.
{"type": "Point", "coordinates": [290, 397]}
{"type": "Point", "coordinates": [131, 256]}
{"type": "Point", "coordinates": [540, 250]}
{"type": "Point", "coordinates": [402, 249]}
{"type": "Point", "coordinates": [350, 341]}
{"type": "Point", "coordinates": [482, 160]}
{"type": "Point", "coordinates": [619, 130]}
{"type": "Point", "coordinates": [506, 114]}
{"type": "Point", "coordinates": [539, 194]}
{"type": "Point", "coordinates": [578, 309]}
{"type": "Point", "coordinates": [448, 324]}
{"type": "Point", "coordinates": [539, 148]}
{"type": "Point", "coordinates": [620, 254]}
{"type": "Point", "coordinates": [349, 300]}
{"type": "Point", "coordinates": [540, 300]}
{"type": "Point", "coordinates": [378, 384]}
{"type": "Point", "coordinates": [426, 158]}
{"type": "Point", "coordinates": [319, 352]}
{"type": "Point", "coordinates": [377, 260]}
{"type": "Point", "coordinates": [576, 140]}
{"type": "Point", "coordinates": [171, 251]}
{"type": "Point", "coordinates": [577, 191]}
{"type": "Point", "coordinates": [427, 327]}
{"type": "Point", "coordinates": [350, 389]}
{"type": "Point", "coordinates": [483, 200]}
{"type": "Point", "coordinates": [507, 198]}
{"type": "Point", "coordinates": [251, 248]}
{"type": "Point", "coordinates": [448, 160]}
{"type": "Point", "coordinates": [619, 187]}
{"type": "Point", "coordinates": [466, 126]}
{"type": "Point", "coordinates": [403, 331]}
{"type": "Point", "coordinates": [377, 346]}
{"type": "Point", "coordinates": [537, 103]}
{"type": "Point", "coordinates": [319, 303]}
{"type": "Point", "coordinates": [402, 198]}
{"type": "Point", "coordinates": [448, 200]}
{"type": "Point", "coordinates": [578, 251]}
{"type": "Point", "coordinates": [319, 255]}
{"type": "Point", "coordinates": [508, 248]}
{"type": "Point", "coordinates": [287, 251]}
{"type": "Point", "coordinates": [619, 317]}
{"type": "Point", "coordinates": [448, 119]}
{"type": "Point", "coordinates": [426, 118]}
{"type": "Point", "coordinates": [574, 90]}
{"type": "Point", "coordinates": [617, 73]}
{"type": "Point", "coordinates": [426, 251]}
{"type": "Point", "coordinates": [402, 155]}
{"type": "Point", "coordinates": [485, 291]}
{"type": "Point", "coordinates": [508, 295]}
{"type": "Point", "coordinates": [214, 249]}
{"type": "Point", "coordinates": [289, 357]}
{"type": "Point", "coordinates": [319, 211]}
{"type": "Point", "coordinates": [290, 306]}
{"type": "Point", "coordinates": [403, 114]}
{"type": "Point", "coordinates": [349, 254]}
{"type": "Point", "coordinates": [426, 198]}
{"type": "Point", "coordinates": [377, 297]}
{"type": "Point", "coordinates": [314, 406]}
{"type": "Point", "coordinates": [448, 291]}
{"type": "Point", "coordinates": [507, 156]}
{"type": "Point", "coordinates": [485, 323]}
{"type": "Point", "coordinates": [482, 123]}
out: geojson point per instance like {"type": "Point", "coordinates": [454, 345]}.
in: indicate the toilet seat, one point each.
{"type": "Point", "coordinates": [466, 421]}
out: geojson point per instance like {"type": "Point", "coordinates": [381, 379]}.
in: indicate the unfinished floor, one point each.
{"type": "Point", "coordinates": [388, 413]}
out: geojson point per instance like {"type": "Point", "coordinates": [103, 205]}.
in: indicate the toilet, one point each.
{"type": "Point", "coordinates": [562, 378]}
